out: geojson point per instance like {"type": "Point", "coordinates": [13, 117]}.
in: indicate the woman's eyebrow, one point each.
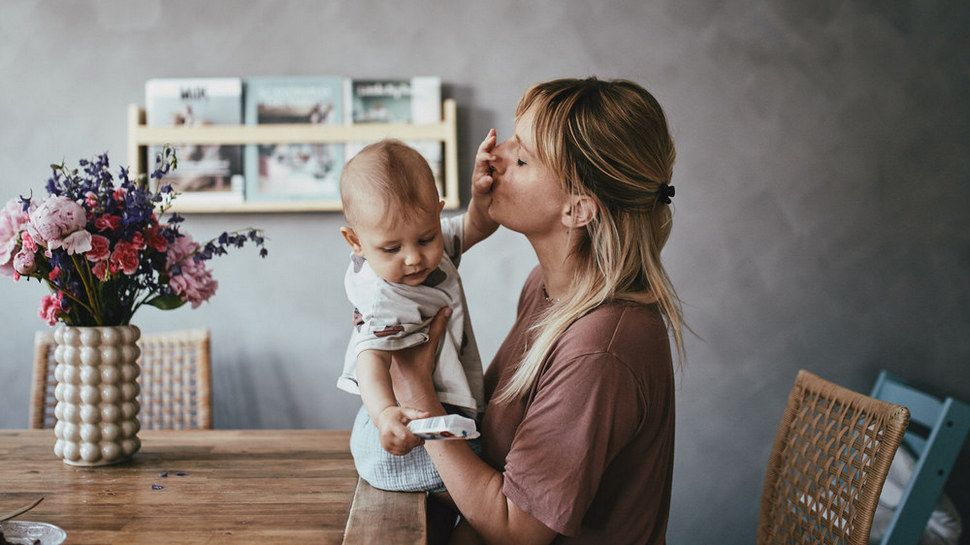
{"type": "Point", "coordinates": [527, 150]}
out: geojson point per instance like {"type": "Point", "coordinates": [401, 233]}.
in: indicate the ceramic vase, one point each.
{"type": "Point", "coordinates": [96, 392]}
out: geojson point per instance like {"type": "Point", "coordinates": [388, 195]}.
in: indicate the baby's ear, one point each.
{"type": "Point", "coordinates": [351, 237]}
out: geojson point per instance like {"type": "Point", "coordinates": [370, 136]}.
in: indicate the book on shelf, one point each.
{"type": "Point", "coordinates": [206, 172]}
{"type": "Point", "coordinates": [294, 171]}
{"type": "Point", "coordinates": [416, 100]}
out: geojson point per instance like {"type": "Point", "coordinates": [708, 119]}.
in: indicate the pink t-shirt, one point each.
{"type": "Point", "coordinates": [589, 451]}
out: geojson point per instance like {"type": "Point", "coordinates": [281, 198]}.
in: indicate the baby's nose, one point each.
{"type": "Point", "coordinates": [412, 258]}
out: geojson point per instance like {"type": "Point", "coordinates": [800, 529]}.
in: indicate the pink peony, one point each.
{"type": "Point", "coordinates": [24, 262]}
{"type": "Point", "coordinates": [77, 242]}
{"type": "Point", "coordinates": [59, 222]}
{"type": "Point", "coordinates": [194, 283]}
{"type": "Point", "coordinates": [99, 249]}
{"type": "Point", "coordinates": [12, 221]}
{"type": "Point", "coordinates": [125, 258]}
{"type": "Point", "coordinates": [51, 307]}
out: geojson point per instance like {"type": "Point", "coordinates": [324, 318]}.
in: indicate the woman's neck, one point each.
{"type": "Point", "coordinates": [558, 266]}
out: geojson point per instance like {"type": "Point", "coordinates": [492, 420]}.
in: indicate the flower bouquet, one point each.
{"type": "Point", "coordinates": [105, 247]}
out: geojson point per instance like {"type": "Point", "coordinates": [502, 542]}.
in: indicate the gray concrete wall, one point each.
{"type": "Point", "coordinates": [822, 187]}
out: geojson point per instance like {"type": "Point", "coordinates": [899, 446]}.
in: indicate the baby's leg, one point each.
{"type": "Point", "coordinates": [413, 472]}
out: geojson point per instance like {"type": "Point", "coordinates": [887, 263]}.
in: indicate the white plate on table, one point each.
{"type": "Point", "coordinates": [25, 532]}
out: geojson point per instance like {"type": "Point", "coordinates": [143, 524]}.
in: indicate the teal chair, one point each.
{"type": "Point", "coordinates": [947, 422]}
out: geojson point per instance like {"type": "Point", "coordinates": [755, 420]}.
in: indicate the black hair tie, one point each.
{"type": "Point", "coordinates": [665, 193]}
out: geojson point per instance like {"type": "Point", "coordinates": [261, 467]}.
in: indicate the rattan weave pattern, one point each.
{"type": "Point", "coordinates": [175, 381]}
{"type": "Point", "coordinates": [826, 470]}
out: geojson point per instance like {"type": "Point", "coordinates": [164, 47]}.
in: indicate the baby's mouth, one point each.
{"type": "Point", "coordinates": [415, 275]}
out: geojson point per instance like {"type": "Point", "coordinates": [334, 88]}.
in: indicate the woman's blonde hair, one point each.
{"type": "Point", "coordinates": [609, 141]}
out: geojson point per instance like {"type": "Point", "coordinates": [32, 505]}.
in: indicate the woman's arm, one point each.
{"type": "Point", "coordinates": [475, 487]}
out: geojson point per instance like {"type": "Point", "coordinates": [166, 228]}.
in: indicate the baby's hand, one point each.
{"type": "Point", "coordinates": [396, 438]}
{"type": "Point", "coordinates": [482, 173]}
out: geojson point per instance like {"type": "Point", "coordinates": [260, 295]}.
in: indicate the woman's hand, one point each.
{"type": "Point", "coordinates": [411, 369]}
{"type": "Point", "coordinates": [396, 438]}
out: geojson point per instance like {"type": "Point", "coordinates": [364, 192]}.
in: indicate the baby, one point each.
{"type": "Point", "coordinates": [403, 270]}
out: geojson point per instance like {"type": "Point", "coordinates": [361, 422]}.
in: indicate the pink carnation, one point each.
{"type": "Point", "coordinates": [12, 221]}
{"type": "Point", "coordinates": [51, 307]}
{"type": "Point", "coordinates": [59, 223]}
{"type": "Point", "coordinates": [125, 258]}
{"type": "Point", "coordinates": [194, 282]}
{"type": "Point", "coordinates": [99, 249]}
{"type": "Point", "coordinates": [100, 270]}
{"type": "Point", "coordinates": [107, 222]}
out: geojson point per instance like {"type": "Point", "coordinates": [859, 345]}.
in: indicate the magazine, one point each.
{"type": "Point", "coordinates": [416, 100]}
{"type": "Point", "coordinates": [294, 171]}
{"type": "Point", "coordinates": [205, 172]}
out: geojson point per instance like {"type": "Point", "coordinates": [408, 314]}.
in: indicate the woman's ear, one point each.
{"type": "Point", "coordinates": [351, 237]}
{"type": "Point", "coordinates": [581, 209]}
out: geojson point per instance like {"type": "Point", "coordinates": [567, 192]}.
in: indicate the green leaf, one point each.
{"type": "Point", "coordinates": [166, 302]}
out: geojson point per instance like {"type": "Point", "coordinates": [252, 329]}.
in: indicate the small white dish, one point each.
{"type": "Point", "coordinates": [25, 532]}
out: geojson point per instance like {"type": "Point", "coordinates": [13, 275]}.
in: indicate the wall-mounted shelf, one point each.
{"type": "Point", "coordinates": [141, 136]}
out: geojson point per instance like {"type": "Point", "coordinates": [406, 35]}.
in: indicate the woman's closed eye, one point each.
{"type": "Point", "coordinates": [520, 162]}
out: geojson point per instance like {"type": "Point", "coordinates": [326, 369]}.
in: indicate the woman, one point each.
{"type": "Point", "coordinates": [579, 426]}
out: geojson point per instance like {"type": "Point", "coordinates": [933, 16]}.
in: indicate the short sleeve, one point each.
{"type": "Point", "coordinates": [386, 320]}
{"type": "Point", "coordinates": [584, 412]}
{"type": "Point", "coordinates": [453, 235]}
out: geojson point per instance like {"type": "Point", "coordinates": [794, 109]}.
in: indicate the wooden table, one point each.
{"type": "Point", "coordinates": [267, 486]}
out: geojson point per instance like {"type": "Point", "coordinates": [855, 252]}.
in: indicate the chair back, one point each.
{"type": "Point", "coordinates": [935, 442]}
{"type": "Point", "coordinates": [175, 381]}
{"type": "Point", "coordinates": [828, 464]}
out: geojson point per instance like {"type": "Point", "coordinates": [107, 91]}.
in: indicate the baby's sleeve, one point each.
{"type": "Point", "coordinates": [387, 320]}
{"type": "Point", "coordinates": [453, 234]}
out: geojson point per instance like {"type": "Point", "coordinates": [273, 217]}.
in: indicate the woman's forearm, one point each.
{"type": "Point", "coordinates": [475, 486]}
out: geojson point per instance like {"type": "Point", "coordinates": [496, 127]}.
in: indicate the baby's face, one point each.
{"type": "Point", "coordinates": [402, 252]}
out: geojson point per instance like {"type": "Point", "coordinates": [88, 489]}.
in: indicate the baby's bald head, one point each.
{"type": "Point", "coordinates": [387, 180]}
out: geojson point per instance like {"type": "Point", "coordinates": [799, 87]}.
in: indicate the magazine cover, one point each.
{"type": "Point", "coordinates": [416, 100]}
{"type": "Point", "coordinates": [294, 171]}
{"type": "Point", "coordinates": [205, 172]}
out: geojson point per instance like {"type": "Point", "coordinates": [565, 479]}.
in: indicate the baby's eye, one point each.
{"type": "Point", "coordinates": [520, 162]}
{"type": "Point", "coordinates": [391, 250]}
{"type": "Point", "coordinates": [425, 242]}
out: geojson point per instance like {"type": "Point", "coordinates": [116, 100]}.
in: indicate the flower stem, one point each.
{"type": "Point", "coordinates": [96, 313]}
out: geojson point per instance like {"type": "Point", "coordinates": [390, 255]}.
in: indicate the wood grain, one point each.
{"type": "Point", "coordinates": [379, 517]}
{"type": "Point", "coordinates": [266, 486]}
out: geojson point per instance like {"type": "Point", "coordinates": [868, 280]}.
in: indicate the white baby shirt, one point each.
{"type": "Point", "coordinates": [390, 316]}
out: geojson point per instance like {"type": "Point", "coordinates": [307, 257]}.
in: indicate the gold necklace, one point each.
{"type": "Point", "coordinates": [545, 295]}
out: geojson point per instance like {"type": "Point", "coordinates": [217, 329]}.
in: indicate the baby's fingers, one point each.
{"type": "Point", "coordinates": [489, 141]}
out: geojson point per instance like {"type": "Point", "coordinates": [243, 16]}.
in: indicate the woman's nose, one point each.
{"type": "Point", "coordinates": [501, 160]}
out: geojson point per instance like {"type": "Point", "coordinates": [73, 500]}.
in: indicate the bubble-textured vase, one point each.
{"type": "Point", "coordinates": [97, 406]}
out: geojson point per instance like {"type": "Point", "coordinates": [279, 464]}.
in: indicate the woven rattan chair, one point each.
{"type": "Point", "coordinates": [829, 461]}
{"type": "Point", "coordinates": [175, 381]}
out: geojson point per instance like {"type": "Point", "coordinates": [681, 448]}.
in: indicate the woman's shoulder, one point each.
{"type": "Point", "coordinates": [628, 331]}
